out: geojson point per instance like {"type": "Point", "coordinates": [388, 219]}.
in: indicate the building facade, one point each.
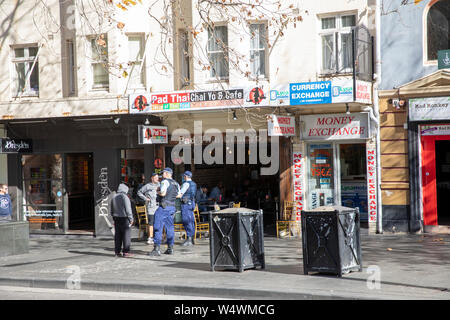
{"type": "Point", "coordinates": [414, 113]}
{"type": "Point", "coordinates": [104, 100]}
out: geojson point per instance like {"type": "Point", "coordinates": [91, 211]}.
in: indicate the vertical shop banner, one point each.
{"type": "Point", "coordinates": [153, 134]}
{"type": "Point", "coordinates": [283, 126]}
{"type": "Point", "coordinates": [372, 203]}
{"type": "Point", "coordinates": [298, 175]}
{"type": "Point", "coordinates": [363, 92]}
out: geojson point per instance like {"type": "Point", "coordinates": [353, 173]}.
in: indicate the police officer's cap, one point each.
{"type": "Point", "coordinates": [188, 174]}
{"type": "Point", "coordinates": [168, 170]}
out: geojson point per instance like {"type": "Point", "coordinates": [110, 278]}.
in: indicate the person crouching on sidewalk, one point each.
{"type": "Point", "coordinates": [123, 219]}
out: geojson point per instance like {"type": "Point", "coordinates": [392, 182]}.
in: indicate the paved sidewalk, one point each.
{"type": "Point", "coordinates": [411, 267]}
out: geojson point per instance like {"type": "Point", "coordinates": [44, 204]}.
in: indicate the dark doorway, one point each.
{"type": "Point", "coordinates": [80, 190]}
{"type": "Point", "coordinates": [443, 181]}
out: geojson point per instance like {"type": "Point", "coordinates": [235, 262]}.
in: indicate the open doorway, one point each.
{"type": "Point", "coordinates": [80, 191]}
{"type": "Point", "coordinates": [353, 177]}
{"type": "Point", "coordinates": [443, 181]}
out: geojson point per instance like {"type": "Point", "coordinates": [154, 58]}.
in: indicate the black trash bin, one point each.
{"type": "Point", "coordinates": [236, 239]}
{"type": "Point", "coordinates": [331, 240]}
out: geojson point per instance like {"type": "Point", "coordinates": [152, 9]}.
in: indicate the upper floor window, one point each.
{"type": "Point", "coordinates": [136, 61]}
{"type": "Point", "coordinates": [217, 52]}
{"type": "Point", "coordinates": [99, 61]}
{"type": "Point", "coordinates": [438, 28]}
{"type": "Point", "coordinates": [336, 43]}
{"type": "Point", "coordinates": [184, 57]}
{"type": "Point", "coordinates": [258, 45]}
{"type": "Point", "coordinates": [26, 71]}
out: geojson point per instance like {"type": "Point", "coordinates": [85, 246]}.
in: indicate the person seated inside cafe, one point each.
{"type": "Point", "coordinates": [201, 198]}
{"type": "Point", "coordinates": [5, 204]}
{"type": "Point", "coordinates": [216, 193]}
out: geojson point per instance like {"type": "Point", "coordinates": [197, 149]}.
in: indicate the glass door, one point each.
{"type": "Point", "coordinates": [43, 200]}
{"type": "Point", "coordinates": [320, 175]}
{"type": "Point", "coordinates": [80, 191]}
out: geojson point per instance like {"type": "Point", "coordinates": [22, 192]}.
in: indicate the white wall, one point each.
{"type": "Point", "coordinates": [296, 55]}
{"type": "Point", "coordinates": [32, 24]}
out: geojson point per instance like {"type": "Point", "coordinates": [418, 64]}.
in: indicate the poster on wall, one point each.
{"type": "Point", "coordinates": [139, 103]}
{"type": "Point", "coordinates": [354, 194]}
{"type": "Point", "coordinates": [283, 126]}
{"type": "Point", "coordinates": [422, 109]}
{"type": "Point", "coordinates": [298, 175]}
{"type": "Point", "coordinates": [279, 95]}
{"type": "Point", "coordinates": [256, 96]}
{"type": "Point", "coordinates": [372, 203]}
{"type": "Point", "coordinates": [152, 134]}
{"type": "Point", "coordinates": [342, 90]}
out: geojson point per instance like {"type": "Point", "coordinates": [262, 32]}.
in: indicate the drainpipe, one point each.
{"type": "Point", "coordinates": [376, 108]}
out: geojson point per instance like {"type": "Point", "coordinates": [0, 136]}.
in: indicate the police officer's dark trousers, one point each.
{"type": "Point", "coordinates": [187, 216]}
{"type": "Point", "coordinates": [164, 219]}
{"type": "Point", "coordinates": [122, 236]}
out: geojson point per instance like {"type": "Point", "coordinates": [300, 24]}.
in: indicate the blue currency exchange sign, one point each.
{"type": "Point", "coordinates": [310, 93]}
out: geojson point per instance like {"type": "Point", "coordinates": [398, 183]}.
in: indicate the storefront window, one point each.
{"type": "Point", "coordinates": [132, 169]}
{"type": "Point", "coordinates": [43, 193]}
{"type": "Point", "coordinates": [320, 175]}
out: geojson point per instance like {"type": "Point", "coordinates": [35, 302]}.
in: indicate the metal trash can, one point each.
{"type": "Point", "coordinates": [236, 239]}
{"type": "Point", "coordinates": [331, 240]}
{"type": "Point", "coordinates": [177, 219]}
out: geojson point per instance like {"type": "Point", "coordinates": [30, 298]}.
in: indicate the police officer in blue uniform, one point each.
{"type": "Point", "coordinates": [168, 193]}
{"type": "Point", "coordinates": [187, 194]}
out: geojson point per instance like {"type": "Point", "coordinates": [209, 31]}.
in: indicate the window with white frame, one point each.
{"type": "Point", "coordinates": [184, 58]}
{"type": "Point", "coordinates": [336, 43]}
{"type": "Point", "coordinates": [258, 45]}
{"type": "Point", "coordinates": [71, 67]}
{"type": "Point", "coordinates": [438, 28]}
{"type": "Point", "coordinates": [136, 50]}
{"type": "Point", "coordinates": [99, 61]}
{"type": "Point", "coordinates": [26, 71]}
{"type": "Point", "coordinates": [217, 52]}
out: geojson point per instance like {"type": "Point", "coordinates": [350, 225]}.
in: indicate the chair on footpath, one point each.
{"type": "Point", "coordinates": [234, 205]}
{"type": "Point", "coordinates": [200, 227]}
{"type": "Point", "coordinates": [142, 219]}
{"type": "Point", "coordinates": [286, 223]}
